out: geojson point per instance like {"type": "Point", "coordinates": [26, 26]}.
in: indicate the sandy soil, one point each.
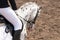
{"type": "Point", "coordinates": [48, 23]}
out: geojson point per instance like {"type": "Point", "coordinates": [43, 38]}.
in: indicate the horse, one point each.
{"type": "Point", "coordinates": [28, 14]}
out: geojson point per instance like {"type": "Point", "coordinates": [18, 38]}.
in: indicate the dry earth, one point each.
{"type": "Point", "coordinates": [48, 23]}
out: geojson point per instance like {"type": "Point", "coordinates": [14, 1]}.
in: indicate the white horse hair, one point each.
{"type": "Point", "coordinates": [26, 13]}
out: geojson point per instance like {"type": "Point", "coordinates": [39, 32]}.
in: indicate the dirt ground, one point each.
{"type": "Point", "coordinates": [48, 23]}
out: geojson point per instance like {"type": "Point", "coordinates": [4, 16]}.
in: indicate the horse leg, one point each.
{"type": "Point", "coordinates": [23, 33]}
